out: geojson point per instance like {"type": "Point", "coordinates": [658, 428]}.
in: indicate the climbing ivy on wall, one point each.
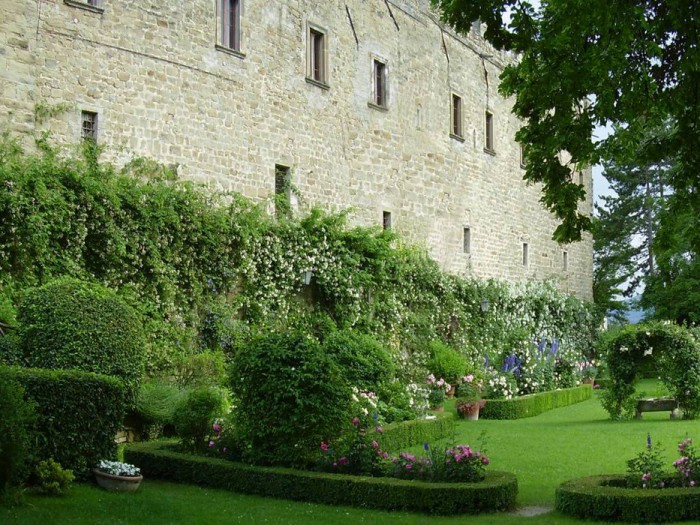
{"type": "Point", "coordinates": [180, 252]}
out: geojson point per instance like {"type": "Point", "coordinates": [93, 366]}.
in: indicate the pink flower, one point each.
{"type": "Point", "coordinates": [324, 446]}
{"type": "Point", "coordinates": [211, 444]}
{"type": "Point", "coordinates": [378, 429]}
{"type": "Point", "coordinates": [216, 427]}
{"type": "Point", "coordinates": [408, 466]}
{"type": "Point", "coordinates": [440, 382]}
{"type": "Point", "coordinates": [356, 421]}
{"type": "Point", "coordinates": [375, 444]}
{"type": "Point", "coordinates": [692, 483]}
{"type": "Point", "coordinates": [342, 461]}
{"type": "Point", "coordinates": [469, 378]}
{"type": "Point", "coordinates": [431, 379]}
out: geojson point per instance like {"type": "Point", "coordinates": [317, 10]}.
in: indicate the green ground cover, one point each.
{"type": "Point", "coordinates": [542, 451]}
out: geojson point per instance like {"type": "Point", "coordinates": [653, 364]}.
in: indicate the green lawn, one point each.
{"type": "Point", "coordinates": [542, 451]}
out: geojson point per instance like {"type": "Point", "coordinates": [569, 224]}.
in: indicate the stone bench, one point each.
{"type": "Point", "coordinates": [656, 405]}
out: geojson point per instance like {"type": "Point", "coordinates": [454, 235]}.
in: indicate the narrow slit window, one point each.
{"type": "Point", "coordinates": [526, 254]}
{"type": "Point", "coordinates": [489, 132]}
{"type": "Point", "coordinates": [231, 24]}
{"type": "Point", "coordinates": [379, 82]}
{"type": "Point", "coordinates": [457, 116]}
{"type": "Point", "coordinates": [386, 220]}
{"type": "Point", "coordinates": [523, 162]}
{"type": "Point", "coordinates": [580, 178]}
{"type": "Point", "coordinates": [467, 240]}
{"type": "Point", "coordinates": [88, 125]}
{"type": "Point", "coordinates": [283, 191]}
{"type": "Point", "coordinates": [565, 261]}
{"type": "Point", "coordinates": [317, 55]}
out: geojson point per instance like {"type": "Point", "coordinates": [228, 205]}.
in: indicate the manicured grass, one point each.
{"type": "Point", "coordinates": [542, 451]}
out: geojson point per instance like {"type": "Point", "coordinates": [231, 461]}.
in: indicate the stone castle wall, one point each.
{"type": "Point", "coordinates": [161, 88]}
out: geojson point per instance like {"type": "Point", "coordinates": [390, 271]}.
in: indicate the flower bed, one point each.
{"type": "Point", "coordinates": [534, 404]}
{"type": "Point", "coordinates": [497, 491]}
{"type": "Point", "coordinates": [607, 498]}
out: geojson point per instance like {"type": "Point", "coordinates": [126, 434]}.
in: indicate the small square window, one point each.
{"type": "Point", "coordinates": [489, 132]}
{"type": "Point", "coordinates": [283, 191]}
{"type": "Point", "coordinates": [456, 117]}
{"type": "Point", "coordinates": [94, 6]}
{"type": "Point", "coordinates": [316, 56]}
{"type": "Point", "coordinates": [231, 24]}
{"type": "Point", "coordinates": [88, 126]}
{"type": "Point", "coordinates": [379, 83]}
{"type": "Point", "coordinates": [467, 240]}
{"type": "Point", "coordinates": [526, 254]}
{"type": "Point", "coordinates": [565, 261]}
{"type": "Point", "coordinates": [386, 220]}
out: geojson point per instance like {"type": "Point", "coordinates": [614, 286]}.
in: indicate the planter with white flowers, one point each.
{"type": "Point", "coordinates": [118, 477]}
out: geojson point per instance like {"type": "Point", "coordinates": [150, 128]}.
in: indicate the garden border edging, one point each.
{"type": "Point", "coordinates": [498, 491]}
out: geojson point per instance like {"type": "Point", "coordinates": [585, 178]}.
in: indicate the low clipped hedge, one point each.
{"type": "Point", "coordinates": [157, 460]}
{"type": "Point", "coordinates": [405, 434]}
{"type": "Point", "coordinates": [606, 498]}
{"type": "Point", "coordinates": [534, 404]}
{"type": "Point", "coordinates": [78, 415]}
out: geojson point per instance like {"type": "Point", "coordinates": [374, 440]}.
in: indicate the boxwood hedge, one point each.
{"type": "Point", "coordinates": [606, 498]}
{"type": "Point", "coordinates": [158, 460]}
{"type": "Point", "coordinates": [405, 434]}
{"type": "Point", "coordinates": [534, 404]}
{"type": "Point", "coordinates": [78, 415]}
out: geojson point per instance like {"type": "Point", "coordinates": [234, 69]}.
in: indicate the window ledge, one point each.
{"type": "Point", "coordinates": [228, 51]}
{"type": "Point", "coordinates": [317, 83]}
{"type": "Point", "coordinates": [490, 152]}
{"type": "Point", "coordinates": [377, 106]}
{"type": "Point", "coordinates": [459, 138]}
{"type": "Point", "coordinates": [85, 6]}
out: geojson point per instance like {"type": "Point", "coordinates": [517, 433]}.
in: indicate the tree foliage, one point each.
{"type": "Point", "coordinates": [583, 63]}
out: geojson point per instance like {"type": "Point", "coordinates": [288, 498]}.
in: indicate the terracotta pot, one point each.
{"type": "Point", "coordinates": [117, 483]}
{"type": "Point", "coordinates": [473, 413]}
{"type": "Point", "coordinates": [451, 391]}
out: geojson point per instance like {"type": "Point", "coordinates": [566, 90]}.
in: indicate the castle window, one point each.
{"type": "Point", "coordinates": [456, 118]}
{"type": "Point", "coordinates": [379, 84]}
{"type": "Point", "coordinates": [88, 126]}
{"type": "Point", "coordinates": [386, 220]}
{"type": "Point", "coordinates": [580, 178]}
{"type": "Point", "coordinates": [565, 261]}
{"type": "Point", "coordinates": [231, 24]}
{"type": "Point", "coordinates": [526, 254]}
{"type": "Point", "coordinates": [317, 69]}
{"type": "Point", "coordinates": [283, 191]}
{"type": "Point", "coordinates": [523, 162]}
{"type": "Point", "coordinates": [489, 133]}
{"type": "Point", "coordinates": [88, 5]}
{"type": "Point", "coordinates": [467, 240]}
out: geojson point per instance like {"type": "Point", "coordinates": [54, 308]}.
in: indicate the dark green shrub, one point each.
{"type": "Point", "coordinates": [445, 362]}
{"type": "Point", "coordinates": [363, 361]}
{"type": "Point", "coordinates": [534, 404]}
{"type": "Point", "coordinates": [17, 418]}
{"type": "Point", "coordinates": [78, 415]}
{"type": "Point", "coordinates": [71, 324]}
{"type": "Point", "coordinates": [11, 350]}
{"type": "Point", "coordinates": [498, 491]}
{"type": "Point", "coordinates": [195, 414]}
{"type": "Point", "coordinates": [289, 397]}
{"type": "Point", "coordinates": [52, 479]}
{"type": "Point", "coordinates": [606, 498]}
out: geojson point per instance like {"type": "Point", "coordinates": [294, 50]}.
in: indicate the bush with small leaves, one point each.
{"type": "Point", "coordinates": [52, 479]}
{"type": "Point", "coordinates": [195, 415]}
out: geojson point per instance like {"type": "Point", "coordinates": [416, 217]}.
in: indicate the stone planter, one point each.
{"type": "Point", "coordinates": [117, 483]}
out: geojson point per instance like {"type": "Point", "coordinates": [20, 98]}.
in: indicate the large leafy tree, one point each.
{"type": "Point", "coordinates": [634, 64]}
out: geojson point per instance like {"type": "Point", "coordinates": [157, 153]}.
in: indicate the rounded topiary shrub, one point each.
{"type": "Point", "coordinates": [72, 324]}
{"type": "Point", "coordinates": [195, 414]}
{"type": "Point", "coordinates": [364, 362]}
{"type": "Point", "coordinates": [289, 396]}
{"type": "Point", "coordinates": [445, 362]}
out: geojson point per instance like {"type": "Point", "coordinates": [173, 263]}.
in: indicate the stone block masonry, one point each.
{"type": "Point", "coordinates": [165, 83]}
